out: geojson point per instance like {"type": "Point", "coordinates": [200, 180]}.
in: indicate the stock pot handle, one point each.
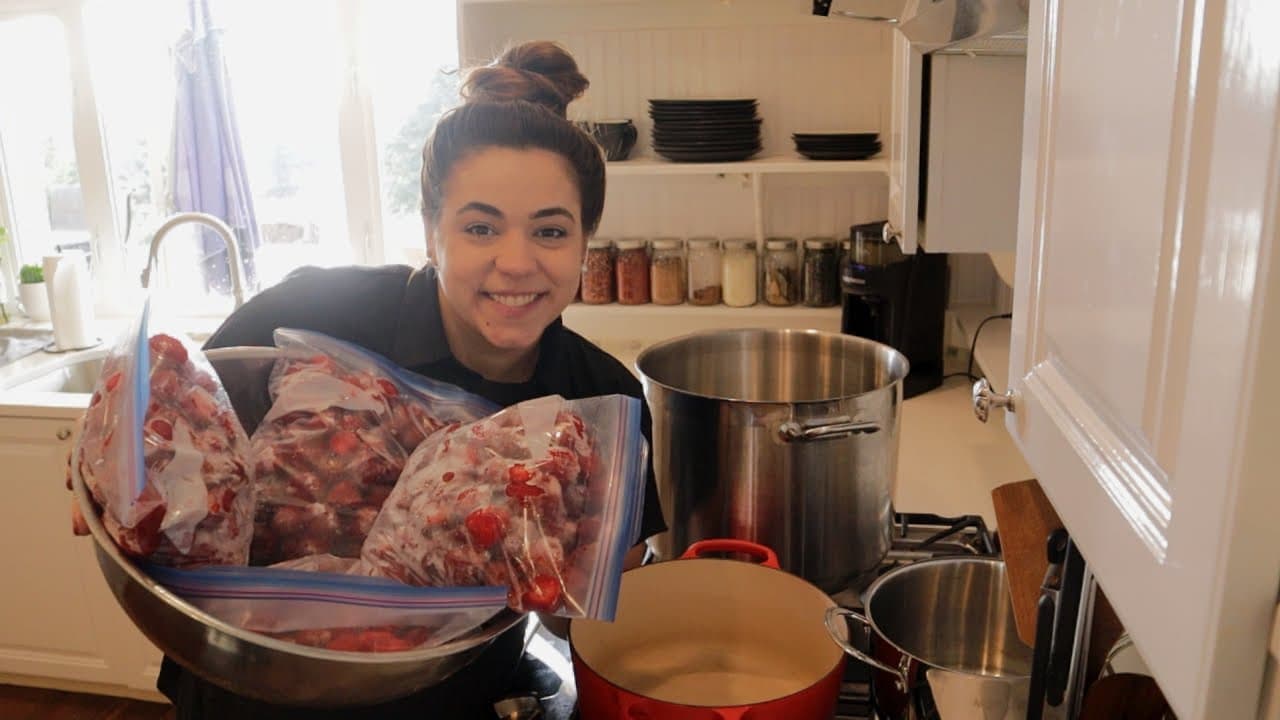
{"type": "Point", "coordinates": [764, 554]}
{"type": "Point", "coordinates": [899, 673]}
{"type": "Point", "coordinates": [826, 429]}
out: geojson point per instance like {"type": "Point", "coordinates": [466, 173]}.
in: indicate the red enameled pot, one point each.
{"type": "Point", "coordinates": [703, 638]}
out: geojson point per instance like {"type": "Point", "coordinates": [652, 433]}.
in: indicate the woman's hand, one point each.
{"type": "Point", "coordinates": [78, 524]}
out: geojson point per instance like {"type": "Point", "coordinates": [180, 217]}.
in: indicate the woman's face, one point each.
{"type": "Point", "coordinates": [508, 246]}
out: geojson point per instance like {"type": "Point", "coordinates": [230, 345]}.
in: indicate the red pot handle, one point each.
{"type": "Point", "coordinates": [764, 554]}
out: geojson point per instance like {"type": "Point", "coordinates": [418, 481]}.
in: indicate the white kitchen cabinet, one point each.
{"type": "Point", "coordinates": [1147, 320]}
{"type": "Point", "coordinates": [59, 623]}
{"type": "Point", "coordinates": [904, 140]}
{"type": "Point", "coordinates": [955, 145]}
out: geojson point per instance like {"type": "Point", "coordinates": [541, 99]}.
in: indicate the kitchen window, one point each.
{"type": "Point", "coordinates": [333, 99]}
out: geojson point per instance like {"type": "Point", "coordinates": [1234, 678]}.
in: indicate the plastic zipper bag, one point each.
{"type": "Point", "coordinates": [342, 423]}
{"type": "Point", "coordinates": [343, 610]}
{"type": "Point", "coordinates": [543, 497]}
{"type": "Point", "coordinates": [164, 455]}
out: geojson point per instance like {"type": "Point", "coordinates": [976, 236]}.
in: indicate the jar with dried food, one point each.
{"type": "Point", "coordinates": [820, 282]}
{"type": "Point", "coordinates": [632, 263]}
{"type": "Point", "coordinates": [781, 271]}
{"type": "Point", "coordinates": [704, 271]}
{"type": "Point", "coordinates": [666, 272]}
{"type": "Point", "coordinates": [740, 268]}
{"type": "Point", "coordinates": [598, 272]}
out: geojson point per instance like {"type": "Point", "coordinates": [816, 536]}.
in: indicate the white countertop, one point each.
{"type": "Point", "coordinates": [55, 404]}
{"type": "Point", "coordinates": [948, 462]}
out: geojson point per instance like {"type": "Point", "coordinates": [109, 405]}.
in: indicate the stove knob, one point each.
{"type": "Point", "coordinates": [984, 399]}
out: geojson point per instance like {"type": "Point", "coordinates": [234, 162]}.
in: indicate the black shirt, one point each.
{"type": "Point", "coordinates": [394, 310]}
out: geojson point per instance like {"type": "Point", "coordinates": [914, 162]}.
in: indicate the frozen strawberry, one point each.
{"type": "Point", "coordinates": [387, 387]}
{"type": "Point", "coordinates": [523, 491]}
{"type": "Point", "coordinates": [485, 527]}
{"type": "Point", "coordinates": [305, 486]}
{"type": "Point", "coordinates": [344, 494]}
{"type": "Point", "coordinates": [167, 347]}
{"type": "Point", "coordinates": [543, 595]}
{"type": "Point", "coordinates": [289, 519]}
{"type": "Point", "coordinates": [343, 442]}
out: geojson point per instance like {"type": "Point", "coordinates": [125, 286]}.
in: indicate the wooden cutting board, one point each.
{"type": "Point", "coordinates": [1024, 518]}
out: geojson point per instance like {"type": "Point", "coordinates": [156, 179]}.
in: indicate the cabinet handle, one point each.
{"type": "Point", "coordinates": [984, 399]}
{"type": "Point", "coordinates": [64, 433]}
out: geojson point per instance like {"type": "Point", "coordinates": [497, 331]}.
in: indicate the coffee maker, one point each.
{"type": "Point", "coordinates": [897, 299]}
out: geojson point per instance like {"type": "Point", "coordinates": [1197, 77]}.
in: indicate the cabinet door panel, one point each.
{"type": "Point", "coordinates": [904, 141]}
{"type": "Point", "coordinates": [1147, 226]}
{"type": "Point", "coordinates": [47, 628]}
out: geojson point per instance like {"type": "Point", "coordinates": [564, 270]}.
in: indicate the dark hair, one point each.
{"type": "Point", "coordinates": [518, 101]}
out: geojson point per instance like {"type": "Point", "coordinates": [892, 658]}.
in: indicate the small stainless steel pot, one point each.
{"type": "Point", "coordinates": [942, 636]}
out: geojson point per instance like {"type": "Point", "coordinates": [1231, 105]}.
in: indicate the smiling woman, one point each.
{"type": "Point", "coordinates": [508, 262]}
{"type": "Point", "coordinates": [511, 191]}
{"type": "Point", "coordinates": [510, 194]}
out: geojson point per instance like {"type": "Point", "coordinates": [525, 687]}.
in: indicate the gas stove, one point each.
{"type": "Point", "coordinates": [546, 673]}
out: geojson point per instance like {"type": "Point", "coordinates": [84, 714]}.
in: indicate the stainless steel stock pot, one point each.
{"type": "Point", "coordinates": [788, 438]}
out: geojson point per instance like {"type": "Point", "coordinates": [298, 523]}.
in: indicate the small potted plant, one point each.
{"type": "Point", "coordinates": [32, 293]}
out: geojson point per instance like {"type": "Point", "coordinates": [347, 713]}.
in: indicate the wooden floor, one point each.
{"type": "Point", "coordinates": [27, 703]}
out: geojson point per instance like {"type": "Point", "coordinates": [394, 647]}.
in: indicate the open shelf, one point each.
{"type": "Point", "coordinates": [775, 165]}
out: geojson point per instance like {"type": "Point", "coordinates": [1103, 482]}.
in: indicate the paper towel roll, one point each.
{"type": "Point", "coordinates": [49, 265]}
{"type": "Point", "coordinates": [73, 298]}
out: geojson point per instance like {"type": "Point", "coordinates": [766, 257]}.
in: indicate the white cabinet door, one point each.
{"type": "Point", "coordinates": [58, 619]}
{"type": "Point", "coordinates": [974, 153]}
{"type": "Point", "coordinates": [904, 141]}
{"type": "Point", "coordinates": [1147, 322]}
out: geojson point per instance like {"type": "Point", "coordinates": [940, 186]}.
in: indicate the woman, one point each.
{"type": "Point", "coordinates": [511, 191]}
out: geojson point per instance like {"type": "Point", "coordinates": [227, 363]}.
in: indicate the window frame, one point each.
{"type": "Point", "coordinates": [357, 147]}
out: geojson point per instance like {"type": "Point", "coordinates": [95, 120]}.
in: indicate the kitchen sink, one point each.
{"type": "Point", "coordinates": [19, 342]}
{"type": "Point", "coordinates": [76, 377]}
{"type": "Point", "coordinates": [75, 374]}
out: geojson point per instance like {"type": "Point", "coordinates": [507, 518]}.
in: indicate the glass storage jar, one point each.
{"type": "Point", "coordinates": [781, 272]}
{"type": "Point", "coordinates": [820, 281]}
{"type": "Point", "coordinates": [666, 272]}
{"type": "Point", "coordinates": [704, 271]}
{"type": "Point", "coordinates": [598, 273]}
{"type": "Point", "coordinates": [632, 262]}
{"type": "Point", "coordinates": [739, 272]}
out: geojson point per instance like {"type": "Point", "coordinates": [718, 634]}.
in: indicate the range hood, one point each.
{"type": "Point", "coordinates": [937, 24]}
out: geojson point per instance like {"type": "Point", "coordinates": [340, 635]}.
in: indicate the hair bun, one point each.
{"type": "Point", "coordinates": [539, 72]}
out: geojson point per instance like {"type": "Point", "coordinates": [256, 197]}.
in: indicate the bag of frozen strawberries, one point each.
{"type": "Point", "coordinates": [164, 455]}
{"type": "Point", "coordinates": [543, 497]}
{"type": "Point", "coordinates": [342, 423]}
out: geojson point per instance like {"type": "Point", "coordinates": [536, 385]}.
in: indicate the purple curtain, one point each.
{"type": "Point", "coordinates": [208, 169]}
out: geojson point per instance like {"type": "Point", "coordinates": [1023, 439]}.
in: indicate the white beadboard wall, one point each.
{"type": "Point", "coordinates": [808, 73]}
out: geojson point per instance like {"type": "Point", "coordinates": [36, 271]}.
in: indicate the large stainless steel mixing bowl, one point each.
{"type": "Point", "coordinates": [258, 666]}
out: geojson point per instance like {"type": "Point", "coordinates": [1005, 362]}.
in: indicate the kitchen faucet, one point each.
{"type": "Point", "coordinates": [233, 250]}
